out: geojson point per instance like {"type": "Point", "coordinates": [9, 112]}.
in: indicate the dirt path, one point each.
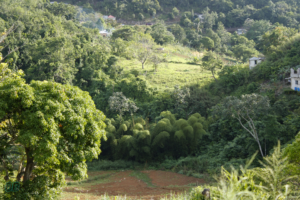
{"type": "Point", "coordinates": [134, 184]}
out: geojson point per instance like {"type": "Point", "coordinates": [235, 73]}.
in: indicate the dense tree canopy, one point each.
{"type": "Point", "coordinates": [57, 126]}
{"type": "Point", "coordinates": [236, 11]}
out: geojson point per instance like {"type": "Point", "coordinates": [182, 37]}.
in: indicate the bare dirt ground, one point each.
{"type": "Point", "coordinates": [135, 185]}
{"type": "Point", "coordinates": [168, 179]}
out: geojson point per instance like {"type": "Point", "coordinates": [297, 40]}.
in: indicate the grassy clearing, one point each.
{"type": "Point", "coordinates": [178, 70]}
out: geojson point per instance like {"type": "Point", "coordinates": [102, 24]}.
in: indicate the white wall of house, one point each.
{"type": "Point", "coordinates": [295, 79]}
{"type": "Point", "coordinates": [241, 31]}
{"type": "Point", "coordinates": [295, 84]}
{"type": "Point", "coordinates": [253, 62]}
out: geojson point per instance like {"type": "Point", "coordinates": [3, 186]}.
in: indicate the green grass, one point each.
{"type": "Point", "coordinates": [143, 177]}
{"type": "Point", "coordinates": [182, 196]}
{"type": "Point", "coordinates": [103, 178]}
{"type": "Point", "coordinates": [100, 165]}
{"type": "Point", "coordinates": [178, 69]}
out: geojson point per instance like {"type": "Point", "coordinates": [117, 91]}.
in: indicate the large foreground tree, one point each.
{"type": "Point", "coordinates": [57, 127]}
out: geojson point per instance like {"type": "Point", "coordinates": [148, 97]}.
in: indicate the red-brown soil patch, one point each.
{"type": "Point", "coordinates": [165, 179]}
{"type": "Point", "coordinates": [123, 184]}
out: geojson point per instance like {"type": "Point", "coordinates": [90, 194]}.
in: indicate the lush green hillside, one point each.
{"type": "Point", "coordinates": [178, 96]}
{"type": "Point", "coordinates": [232, 13]}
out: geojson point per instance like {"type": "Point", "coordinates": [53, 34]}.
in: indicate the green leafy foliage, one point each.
{"type": "Point", "coordinates": [178, 137]}
{"type": "Point", "coordinates": [59, 120]}
{"type": "Point", "coordinates": [292, 152]}
{"type": "Point", "coordinates": [211, 62]}
{"type": "Point", "coordinates": [125, 33]}
{"type": "Point", "coordinates": [257, 28]}
{"type": "Point", "coordinates": [236, 12]}
{"type": "Point", "coordinates": [55, 42]}
{"type": "Point", "coordinates": [276, 37]}
{"type": "Point", "coordinates": [273, 174]}
{"type": "Point", "coordinates": [259, 183]}
{"type": "Point", "coordinates": [208, 43]}
{"type": "Point", "coordinates": [243, 48]}
{"type": "Point", "coordinates": [169, 136]}
{"type": "Point", "coordinates": [161, 35]}
{"type": "Point", "coordinates": [178, 32]}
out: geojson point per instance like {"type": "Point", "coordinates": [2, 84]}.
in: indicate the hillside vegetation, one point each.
{"type": "Point", "coordinates": [232, 13]}
{"type": "Point", "coordinates": [178, 97]}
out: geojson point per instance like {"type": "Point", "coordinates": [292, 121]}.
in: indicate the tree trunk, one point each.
{"type": "Point", "coordinates": [260, 149]}
{"type": "Point", "coordinates": [21, 164]}
{"type": "Point", "coordinates": [29, 165]}
{"type": "Point", "coordinates": [213, 75]}
{"type": "Point", "coordinates": [6, 177]}
{"type": "Point", "coordinates": [142, 65]}
{"type": "Point", "coordinates": [253, 133]}
{"type": "Point", "coordinates": [132, 119]}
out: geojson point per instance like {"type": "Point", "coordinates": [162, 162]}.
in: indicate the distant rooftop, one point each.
{"type": "Point", "coordinates": [255, 58]}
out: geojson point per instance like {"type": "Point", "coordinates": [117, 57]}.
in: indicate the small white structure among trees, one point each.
{"type": "Point", "coordinates": [241, 31]}
{"type": "Point", "coordinates": [295, 79]}
{"type": "Point", "coordinates": [255, 61]}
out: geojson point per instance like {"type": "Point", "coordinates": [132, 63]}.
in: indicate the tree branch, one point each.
{"type": "Point", "coordinates": [239, 119]}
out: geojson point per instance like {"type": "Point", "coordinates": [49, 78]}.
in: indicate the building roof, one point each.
{"type": "Point", "coordinates": [110, 16]}
{"type": "Point", "coordinates": [255, 58]}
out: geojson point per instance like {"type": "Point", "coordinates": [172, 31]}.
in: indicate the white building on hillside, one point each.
{"type": "Point", "coordinates": [255, 61]}
{"type": "Point", "coordinates": [104, 33]}
{"type": "Point", "coordinates": [241, 31]}
{"type": "Point", "coordinates": [295, 79]}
